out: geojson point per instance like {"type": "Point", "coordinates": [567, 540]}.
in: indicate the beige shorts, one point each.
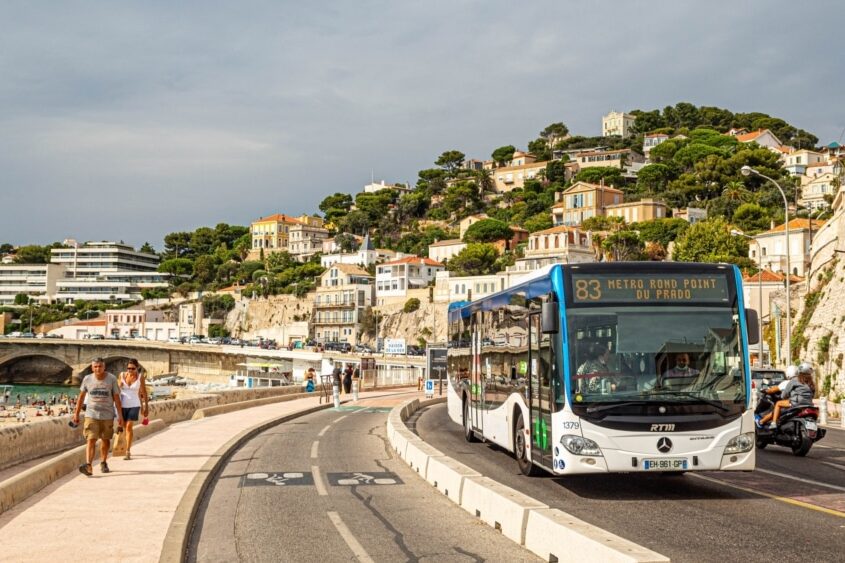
{"type": "Point", "coordinates": [98, 429]}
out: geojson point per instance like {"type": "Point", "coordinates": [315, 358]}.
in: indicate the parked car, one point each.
{"type": "Point", "coordinates": [363, 349]}
{"type": "Point", "coordinates": [343, 347]}
{"type": "Point", "coordinates": [28, 335]}
{"type": "Point", "coordinates": [50, 335]}
{"type": "Point", "coordinates": [414, 350]}
{"type": "Point", "coordinates": [90, 336]}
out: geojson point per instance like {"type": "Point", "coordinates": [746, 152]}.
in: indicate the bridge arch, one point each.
{"type": "Point", "coordinates": [35, 368]}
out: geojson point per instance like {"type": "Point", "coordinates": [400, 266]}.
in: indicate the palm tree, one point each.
{"type": "Point", "coordinates": [737, 192]}
{"type": "Point", "coordinates": [484, 181]}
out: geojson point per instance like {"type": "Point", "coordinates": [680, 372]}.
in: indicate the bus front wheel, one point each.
{"type": "Point", "coordinates": [520, 449]}
{"type": "Point", "coordinates": [469, 435]}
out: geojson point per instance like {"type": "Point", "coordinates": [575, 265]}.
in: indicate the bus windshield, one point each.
{"type": "Point", "coordinates": [644, 354]}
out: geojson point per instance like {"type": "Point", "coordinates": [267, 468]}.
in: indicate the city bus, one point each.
{"type": "Point", "coordinates": [608, 367]}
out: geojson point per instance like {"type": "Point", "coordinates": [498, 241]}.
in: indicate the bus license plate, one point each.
{"type": "Point", "coordinates": [664, 464]}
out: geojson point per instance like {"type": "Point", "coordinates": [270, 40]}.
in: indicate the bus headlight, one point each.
{"type": "Point", "coordinates": [579, 445]}
{"type": "Point", "coordinates": [740, 444]}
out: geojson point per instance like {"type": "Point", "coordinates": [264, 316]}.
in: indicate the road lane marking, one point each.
{"type": "Point", "coordinates": [801, 479]}
{"type": "Point", "coordinates": [357, 549]}
{"type": "Point", "coordinates": [836, 465]}
{"type": "Point", "coordinates": [314, 447]}
{"type": "Point", "coordinates": [318, 481]}
{"type": "Point", "coordinates": [341, 418]}
{"type": "Point", "coordinates": [787, 500]}
{"type": "Point", "coordinates": [324, 430]}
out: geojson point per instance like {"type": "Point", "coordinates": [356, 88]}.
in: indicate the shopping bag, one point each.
{"type": "Point", "coordinates": [119, 444]}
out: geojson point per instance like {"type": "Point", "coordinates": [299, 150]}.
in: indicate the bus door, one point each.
{"type": "Point", "coordinates": [539, 392]}
{"type": "Point", "coordinates": [476, 388]}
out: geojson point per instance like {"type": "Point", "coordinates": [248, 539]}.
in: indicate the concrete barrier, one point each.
{"type": "Point", "coordinates": [28, 482]}
{"type": "Point", "coordinates": [556, 536]}
{"type": "Point", "coordinates": [500, 506]}
{"type": "Point", "coordinates": [549, 533]}
{"type": "Point", "coordinates": [447, 476]}
{"type": "Point", "coordinates": [417, 454]}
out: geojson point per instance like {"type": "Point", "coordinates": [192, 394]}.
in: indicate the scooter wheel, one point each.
{"type": "Point", "coordinates": [761, 444]}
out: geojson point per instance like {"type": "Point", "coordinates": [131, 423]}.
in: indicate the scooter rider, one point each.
{"type": "Point", "coordinates": [797, 390]}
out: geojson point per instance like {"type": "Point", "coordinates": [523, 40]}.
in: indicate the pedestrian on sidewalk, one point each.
{"type": "Point", "coordinates": [347, 379]}
{"type": "Point", "coordinates": [133, 393]}
{"type": "Point", "coordinates": [100, 391]}
{"type": "Point", "coordinates": [337, 374]}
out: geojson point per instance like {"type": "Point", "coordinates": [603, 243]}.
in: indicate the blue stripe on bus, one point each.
{"type": "Point", "coordinates": [740, 293]}
{"type": "Point", "coordinates": [558, 288]}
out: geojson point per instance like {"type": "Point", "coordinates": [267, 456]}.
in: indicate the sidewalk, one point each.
{"type": "Point", "coordinates": [125, 515]}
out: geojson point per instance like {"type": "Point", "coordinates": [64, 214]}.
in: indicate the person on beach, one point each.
{"type": "Point", "coordinates": [133, 393]}
{"type": "Point", "coordinates": [100, 391]}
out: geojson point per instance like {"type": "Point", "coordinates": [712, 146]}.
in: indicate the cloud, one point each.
{"type": "Point", "coordinates": [132, 120]}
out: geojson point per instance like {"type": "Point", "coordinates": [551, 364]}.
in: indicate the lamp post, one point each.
{"type": "Point", "coordinates": [748, 171]}
{"type": "Point", "coordinates": [737, 233]}
{"type": "Point", "coordinates": [29, 302]}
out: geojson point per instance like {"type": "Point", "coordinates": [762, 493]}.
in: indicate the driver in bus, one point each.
{"type": "Point", "coordinates": [681, 375]}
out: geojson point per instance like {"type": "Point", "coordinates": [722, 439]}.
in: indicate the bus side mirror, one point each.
{"type": "Point", "coordinates": [550, 318]}
{"type": "Point", "coordinates": [753, 324]}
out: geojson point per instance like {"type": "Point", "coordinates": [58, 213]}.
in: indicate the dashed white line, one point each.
{"type": "Point", "coordinates": [341, 418]}
{"type": "Point", "coordinates": [357, 549]}
{"type": "Point", "coordinates": [318, 481]}
{"type": "Point", "coordinates": [324, 430]}
{"type": "Point", "coordinates": [314, 447]}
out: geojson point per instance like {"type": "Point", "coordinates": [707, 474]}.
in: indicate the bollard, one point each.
{"type": "Point", "coordinates": [336, 394]}
{"type": "Point", "coordinates": [823, 410]}
{"type": "Point", "coordinates": [354, 388]}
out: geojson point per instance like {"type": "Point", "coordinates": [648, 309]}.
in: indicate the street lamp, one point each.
{"type": "Point", "coordinates": [748, 171]}
{"type": "Point", "coordinates": [737, 233]}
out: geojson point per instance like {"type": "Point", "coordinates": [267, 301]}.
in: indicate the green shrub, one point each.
{"type": "Point", "coordinates": [411, 305]}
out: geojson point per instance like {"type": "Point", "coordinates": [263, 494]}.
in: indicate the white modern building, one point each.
{"type": "Point", "coordinates": [395, 278]}
{"type": "Point", "coordinates": [305, 240]}
{"type": "Point", "coordinates": [135, 323]}
{"type": "Point", "coordinates": [445, 249]}
{"type": "Point", "coordinates": [105, 271]}
{"type": "Point", "coordinates": [37, 281]}
{"type": "Point", "coordinates": [374, 187]}
{"type": "Point", "coordinates": [617, 123]}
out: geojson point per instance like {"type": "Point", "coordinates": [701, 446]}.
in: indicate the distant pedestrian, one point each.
{"type": "Point", "coordinates": [337, 374]}
{"type": "Point", "coordinates": [99, 390]}
{"type": "Point", "coordinates": [347, 379]}
{"type": "Point", "coordinates": [133, 396]}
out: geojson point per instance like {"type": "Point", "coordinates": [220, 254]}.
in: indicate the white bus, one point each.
{"type": "Point", "coordinates": [609, 367]}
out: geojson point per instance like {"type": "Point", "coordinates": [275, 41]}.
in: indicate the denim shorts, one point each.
{"type": "Point", "coordinates": [131, 413]}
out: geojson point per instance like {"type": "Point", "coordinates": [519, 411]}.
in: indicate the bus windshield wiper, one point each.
{"type": "Point", "coordinates": [692, 395]}
{"type": "Point", "coordinates": [611, 406]}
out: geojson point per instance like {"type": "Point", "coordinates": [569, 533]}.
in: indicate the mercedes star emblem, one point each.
{"type": "Point", "coordinates": [664, 445]}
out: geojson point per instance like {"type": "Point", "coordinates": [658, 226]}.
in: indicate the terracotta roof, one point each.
{"type": "Point", "coordinates": [449, 242]}
{"type": "Point", "coordinates": [279, 218]}
{"type": "Point", "coordinates": [748, 137]}
{"type": "Point", "coordinates": [91, 323]}
{"type": "Point", "coordinates": [770, 277]}
{"type": "Point", "coordinates": [558, 229]}
{"type": "Point", "coordinates": [414, 260]}
{"type": "Point", "coordinates": [351, 269]}
{"type": "Point", "coordinates": [587, 185]}
{"type": "Point", "coordinates": [795, 225]}
{"type": "Point", "coordinates": [650, 135]}
{"type": "Point", "coordinates": [653, 202]}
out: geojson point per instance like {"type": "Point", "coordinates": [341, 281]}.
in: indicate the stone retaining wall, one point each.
{"type": "Point", "coordinates": [23, 442]}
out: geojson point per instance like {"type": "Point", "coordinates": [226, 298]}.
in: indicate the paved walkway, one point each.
{"type": "Point", "coordinates": [124, 515]}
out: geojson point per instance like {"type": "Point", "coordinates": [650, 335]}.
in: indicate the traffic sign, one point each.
{"type": "Point", "coordinates": [429, 388]}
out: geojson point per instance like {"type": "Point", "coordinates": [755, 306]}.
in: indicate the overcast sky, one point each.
{"type": "Point", "coordinates": [130, 120]}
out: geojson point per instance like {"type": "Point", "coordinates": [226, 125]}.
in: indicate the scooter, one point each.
{"type": "Point", "coordinates": [797, 427]}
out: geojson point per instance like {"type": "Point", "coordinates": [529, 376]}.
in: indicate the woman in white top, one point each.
{"type": "Point", "coordinates": [132, 391]}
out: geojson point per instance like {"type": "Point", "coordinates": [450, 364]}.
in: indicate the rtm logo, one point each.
{"type": "Point", "coordinates": [662, 427]}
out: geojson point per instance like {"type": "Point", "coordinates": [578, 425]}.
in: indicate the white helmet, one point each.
{"type": "Point", "coordinates": [805, 367]}
{"type": "Point", "coordinates": [791, 371]}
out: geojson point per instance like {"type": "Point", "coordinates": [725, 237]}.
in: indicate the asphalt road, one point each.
{"type": "Point", "coordinates": [283, 498]}
{"type": "Point", "coordinates": [790, 509]}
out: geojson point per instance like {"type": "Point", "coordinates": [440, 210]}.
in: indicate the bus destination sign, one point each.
{"type": "Point", "coordinates": [650, 288]}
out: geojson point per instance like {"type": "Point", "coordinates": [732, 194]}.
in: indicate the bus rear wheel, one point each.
{"type": "Point", "coordinates": [520, 449]}
{"type": "Point", "coordinates": [469, 435]}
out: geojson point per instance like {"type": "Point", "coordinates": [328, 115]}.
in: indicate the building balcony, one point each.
{"type": "Point", "coordinates": [335, 305]}
{"type": "Point", "coordinates": [325, 322]}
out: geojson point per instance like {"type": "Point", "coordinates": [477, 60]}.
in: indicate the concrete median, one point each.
{"type": "Point", "coordinates": [20, 487]}
{"type": "Point", "coordinates": [557, 536]}
{"type": "Point", "coordinates": [550, 533]}
{"type": "Point", "coordinates": [448, 476]}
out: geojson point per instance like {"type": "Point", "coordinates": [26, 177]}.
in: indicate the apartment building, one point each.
{"type": "Point", "coordinates": [36, 281]}
{"type": "Point", "coordinates": [617, 123]}
{"type": "Point", "coordinates": [271, 234]}
{"type": "Point", "coordinates": [507, 178]}
{"type": "Point", "coordinates": [341, 297]}
{"type": "Point", "coordinates": [652, 140]}
{"type": "Point", "coordinates": [395, 278]}
{"type": "Point", "coordinates": [583, 200]}
{"type": "Point", "coordinates": [815, 191]}
{"type": "Point", "coordinates": [621, 159]}
{"type": "Point", "coordinates": [796, 162]}
{"type": "Point", "coordinates": [105, 271]}
{"type": "Point", "coordinates": [772, 247]}
{"type": "Point", "coordinates": [306, 239]}
{"type": "Point", "coordinates": [647, 209]}
{"type": "Point", "coordinates": [445, 249]}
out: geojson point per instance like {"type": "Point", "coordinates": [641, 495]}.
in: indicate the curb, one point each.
{"type": "Point", "coordinates": [232, 407]}
{"type": "Point", "coordinates": [177, 538]}
{"type": "Point", "coordinates": [549, 533]}
{"type": "Point", "coordinates": [16, 489]}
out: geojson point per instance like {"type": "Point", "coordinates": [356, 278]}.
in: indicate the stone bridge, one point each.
{"type": "Point", "coordinates": [51, 361]}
